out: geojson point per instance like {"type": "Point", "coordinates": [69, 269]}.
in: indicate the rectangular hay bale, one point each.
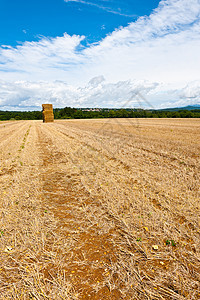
{"type": "Point", "coordinates": [47, 113]}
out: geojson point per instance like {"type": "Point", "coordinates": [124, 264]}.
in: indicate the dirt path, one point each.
{"type": "Point", "coordinates": [88, 263]}
{"type": "Point", "coordinates": [96, 197]}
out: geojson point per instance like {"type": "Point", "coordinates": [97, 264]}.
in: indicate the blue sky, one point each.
{"type": "Point", "coordinates": [100, 53]}
{"type": "Point", "coordinates": [24, 20]}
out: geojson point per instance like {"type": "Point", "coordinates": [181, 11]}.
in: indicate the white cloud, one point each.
{"type": "Point", "coordinates": [101, 6]}
{"type": "Point", "coordinates": [23, 95]}
{"type": "Point", "coordinates": [96, 93]}
{"type": "Point", "coordinates": [50, 58]}
{"type": "Point", "coordinates": [191, 92]}
{"type": "Point", "coordinates": [161, 48]}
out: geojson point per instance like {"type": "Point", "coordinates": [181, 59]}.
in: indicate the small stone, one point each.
{"type": "Point", "coordinates": [8, 249]}
{"type": "Point", "coordinates": [155, 247]}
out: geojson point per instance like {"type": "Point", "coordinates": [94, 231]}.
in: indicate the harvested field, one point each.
{"type": "Point", "coordinates": [100, 209]}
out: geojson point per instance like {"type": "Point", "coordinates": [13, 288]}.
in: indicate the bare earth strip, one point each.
{"type": "Point", "coordinates": [100, 209]}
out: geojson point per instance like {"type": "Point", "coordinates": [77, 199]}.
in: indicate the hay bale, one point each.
{"type": "Point", "coordinates": [47, 113]}
{"type": "Point", "coordinates": [46, 107]}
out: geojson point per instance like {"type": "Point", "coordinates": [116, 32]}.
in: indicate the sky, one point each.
{"type": "Point", "coordinates": [99, 53]}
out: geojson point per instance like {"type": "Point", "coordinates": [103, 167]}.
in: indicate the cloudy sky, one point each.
{"type": "Point", "coordinates": [99, 53]}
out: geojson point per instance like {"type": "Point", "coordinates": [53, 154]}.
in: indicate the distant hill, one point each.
{"type": "Point", "coordinates": [189, 107]}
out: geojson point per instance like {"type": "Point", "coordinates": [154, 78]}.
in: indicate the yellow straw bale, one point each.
{"type": "Point", "coordinates": [48, 115]}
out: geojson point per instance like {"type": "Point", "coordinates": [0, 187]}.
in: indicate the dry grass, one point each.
{"type": "Point", "coordinates": [85, 202]}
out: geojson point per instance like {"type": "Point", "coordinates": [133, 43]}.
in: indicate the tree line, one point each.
{"type": "Point", "coordinates": [20, 115]}
{"type": "Point", "coordinates": [77, 113]}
